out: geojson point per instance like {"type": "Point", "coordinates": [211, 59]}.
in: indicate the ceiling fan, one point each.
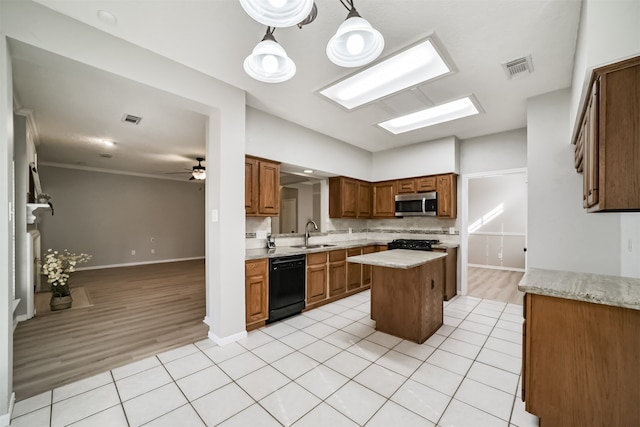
{"type": "Point", "coordinates": [197, 172]}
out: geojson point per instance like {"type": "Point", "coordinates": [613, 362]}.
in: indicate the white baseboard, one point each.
{"type": "Point", "coordinates": [5, 419]}
{"type": "Point", "coordinates": [223, 340]}
{"type": "Point", "coordinates": [131, 264]}
{"type": "Point", "coordinates": [495, 267]}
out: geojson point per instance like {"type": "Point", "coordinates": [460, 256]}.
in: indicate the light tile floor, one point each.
{"type": "Point", "coordinates": [327, 367]}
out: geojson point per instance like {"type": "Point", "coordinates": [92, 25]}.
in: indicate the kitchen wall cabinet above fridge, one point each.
{"type": "Point", "coordinates": [607, 139]}
{"type": "Point", "coordinates": [352, 198]}
{"type": "Point", "coordinates": [261, 187]}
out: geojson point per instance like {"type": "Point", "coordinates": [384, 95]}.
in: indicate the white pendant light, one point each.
{"type": "Point", "coordinates": [277, 13]}
{"type": "Point", "coordinates": [355, 43]}
{"type": "Point", "coordinates": [269, 62]}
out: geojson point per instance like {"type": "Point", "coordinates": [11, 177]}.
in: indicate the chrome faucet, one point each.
{"type": "Point", "coordinates": [306, 231]}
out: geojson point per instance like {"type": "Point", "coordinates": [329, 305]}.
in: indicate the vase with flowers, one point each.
{"type": "Point", "coordinates": [58, 266]}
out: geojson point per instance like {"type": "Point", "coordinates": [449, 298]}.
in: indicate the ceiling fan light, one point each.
{"type": "Point", "coordinates": [199, 174]}
{"type": "Point", "coordinates": [269, 63]}
{"type": "Point", "coordinates": [355, 43]}
{"type": "Point", "coordinates": [278, 13]}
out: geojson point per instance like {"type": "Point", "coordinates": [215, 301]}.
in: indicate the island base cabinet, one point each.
{"type": "Point", "coordinates": [407, 303]}
{"type": "Point", "coordinates": [581, 363]}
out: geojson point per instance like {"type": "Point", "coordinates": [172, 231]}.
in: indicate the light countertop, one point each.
{"type": "Point", "coordinates": [280, 251]}
{"type": "Point", "coordinates": [596, 288]}
{"type": "Point", "coordinates": [397, 258]}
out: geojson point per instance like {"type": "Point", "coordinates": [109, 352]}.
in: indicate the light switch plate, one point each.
{"type": "Point", "coordinates": [452, 230]}
{"type": "Point", "coordinates": [261, 234]}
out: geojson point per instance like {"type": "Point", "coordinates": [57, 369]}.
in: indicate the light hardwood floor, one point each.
{"type": "Point", "coordinates": [497, 285]}
{"type": "Point", "coordinates": [138, 312]}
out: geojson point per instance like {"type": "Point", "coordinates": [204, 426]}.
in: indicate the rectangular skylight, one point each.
{"type": "Point", "coordinates": [408, 68]}
{"type": "Point", "coordinates": [431, 116]}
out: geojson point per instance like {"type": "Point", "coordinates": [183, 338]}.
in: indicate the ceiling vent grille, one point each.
{"type": "Point", "coordinates": [518, 67]}
{"type": "Point", "coordinates": [129, 118]}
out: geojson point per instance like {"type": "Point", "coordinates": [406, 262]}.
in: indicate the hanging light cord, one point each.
{"type": "Point", "coordinates": [269, 34]}
{"type": "Point", "coordinates": [349, 6]}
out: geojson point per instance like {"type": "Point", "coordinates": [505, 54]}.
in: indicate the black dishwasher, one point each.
{"type": "Point", "coordinates": [286, 286]}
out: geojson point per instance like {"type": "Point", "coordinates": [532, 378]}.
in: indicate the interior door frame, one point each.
{"type": "Point", "coordinates": [464, 227]}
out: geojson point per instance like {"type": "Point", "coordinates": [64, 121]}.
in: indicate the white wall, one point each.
{"type": "Point", "coordinates": [223, 104]}
{"type": "Point", "coordinates": [108, 215]}
{"type": "Point", "coordinates": [499, 151]}
{"type": "Point", "coordinates": [561, 234]}
{"type": "Point", "coordinates": [6, 229]}
{"type": "Point", "coordinates": [426, 158]}
{"type": "Point", "coordinates": [609, 31]}
{"type": "Point", "coordinates": [273, 138]}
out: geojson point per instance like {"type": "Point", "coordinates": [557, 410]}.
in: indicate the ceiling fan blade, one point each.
{"type": "Point", "coordinates": [175, 173]}
{"type": "Point", "coordinates": [191, 179]}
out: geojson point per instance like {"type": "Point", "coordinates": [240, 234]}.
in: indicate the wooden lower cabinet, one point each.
{"type": "Point", "coordinates": [337, 272]}
{"type": "Point", "coordinates": [256, 292]}
{"type": "Point", "coordinates": [316, 277]}
{"type": "Point", "coordinates": [354, 271]}
{"type": "Point", "coordinates": [330, 277]}
{"type": "Point", "coordinates": [580, 363]}
{"type": "Point", "coordinates": [366, 269]}
{"type": "Point", "coordinates": [450, 283]}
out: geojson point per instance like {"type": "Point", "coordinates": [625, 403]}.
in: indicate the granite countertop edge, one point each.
{"type": "Point", "coordinates": [397, 258]}
{"type": "Point", "coordinates": [614, 291]}
{"type": "Point", "coordinates": [279, 251]}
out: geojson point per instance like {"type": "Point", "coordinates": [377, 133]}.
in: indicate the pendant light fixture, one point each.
{"type": "Point", "coordinates": [356, 42]}
{"type": "Point", "coordinates": [269, 62]}
{"type": "Point", "coordinates": [278, 13]}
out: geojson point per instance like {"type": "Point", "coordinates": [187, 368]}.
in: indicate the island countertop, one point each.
{"type": "Point", "coordinates": [397, 258]}
{"type": "Point", "coordinates": [596, 288]}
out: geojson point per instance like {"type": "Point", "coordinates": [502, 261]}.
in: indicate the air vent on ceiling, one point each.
{"type": "Point", "coordinates": [129, 118]}
{"type": "Point", "coordinates": [518, 67]}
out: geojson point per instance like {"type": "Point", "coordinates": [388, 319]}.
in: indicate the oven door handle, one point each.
{"type": "Point", "coordinates": [424, 205]}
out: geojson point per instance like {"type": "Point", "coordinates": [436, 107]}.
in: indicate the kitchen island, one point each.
{"type": "Point", "coordinates": [406, 291]}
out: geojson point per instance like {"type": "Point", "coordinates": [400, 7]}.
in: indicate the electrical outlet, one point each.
{"type": "Point", "coordinates": [133, 251]}
{"type": "Point", "coordinates": [499, 255]}
{"type": "Point", "coordinates": [350, 231]}
{"type": "Point", "coordinates": [261, 234]}
{"type": "Point", "coordinates": [452, 230]}
{"type": "Point", "coordinates": [153, 239]}
{"type": "Point", "coordinates": [153, 251]}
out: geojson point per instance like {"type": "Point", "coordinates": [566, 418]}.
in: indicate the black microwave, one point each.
{"type": "Point", "coordinates": [418, 204]}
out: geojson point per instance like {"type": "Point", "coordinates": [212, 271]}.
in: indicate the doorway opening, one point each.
{"type": "Point", "coordinates": [494, 234]}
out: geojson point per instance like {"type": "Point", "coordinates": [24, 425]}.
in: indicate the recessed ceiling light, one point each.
{"type": "Point", "coordinates": [107, 17]}
{"type": "Point", "coordinates": [414, 65]}
{"type": "Point", "coordinates": [108, 143]}
{"type": "Point", "coordinates": [432, 116]}
{"type": "Point", "coordinates": [307, 171]}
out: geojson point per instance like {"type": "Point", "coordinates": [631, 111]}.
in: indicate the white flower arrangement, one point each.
{"type": "Point", "coordinates": [57, 266]}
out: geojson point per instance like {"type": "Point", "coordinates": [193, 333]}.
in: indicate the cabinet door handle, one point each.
{"type": "Point", "coordinates": [433, 283]}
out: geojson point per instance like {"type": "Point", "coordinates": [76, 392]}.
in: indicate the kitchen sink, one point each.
{"type": "Point", "coordinates": [312, 246]}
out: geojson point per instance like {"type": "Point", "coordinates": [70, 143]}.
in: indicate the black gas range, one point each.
{"type": "Point", "coordinates": [413, 244]}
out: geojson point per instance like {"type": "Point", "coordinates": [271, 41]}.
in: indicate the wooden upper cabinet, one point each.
{"type": "Point", "coordinates": [364, 199]}
{"type": "Point", "coordinates": [407, 185]}
{"type": "Point", "coordinates": [251, 186]}
{"type": "Point", "coordinates": [425, 183]}
{"type": "Point", "coordinates": [384, 199]}
{"type": "Point", "coordinates": [349, 198]}
{"type": "Point", "coordinates": [261, 187]}
{"type": "Point", "coordinates": [607, 139]}
{"type": "Point", "coordinates": [446, 187]}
